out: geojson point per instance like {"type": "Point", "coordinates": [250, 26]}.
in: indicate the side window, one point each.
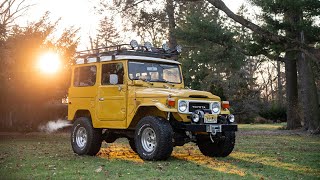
{"type": "Point", "coordinates": [112, 74]}
{"type": "Point", "coordinates": [85, 76]}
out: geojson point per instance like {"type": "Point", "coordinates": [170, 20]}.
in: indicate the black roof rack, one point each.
{"type": "Point", "coordinates": [126, 49]}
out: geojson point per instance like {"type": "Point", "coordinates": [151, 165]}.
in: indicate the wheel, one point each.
{"type": "Point", "coordinates": [153, 138]}
{"type": "Point", "coordinates": [85, 140]}
{"type": "Point", "coordinates": [132, 144]}
{"type": "Point", "coordinates": [220, 148]}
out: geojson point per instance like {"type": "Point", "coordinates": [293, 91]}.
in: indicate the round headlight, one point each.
{"type": "Point", "coordinates": [215, 107]}
{"type": "Point", "coordinates": [195, 117]}
{"type": "Point", "coordinates": [183, 106]}
{"type": "Point", "coordinates": [231, 118]}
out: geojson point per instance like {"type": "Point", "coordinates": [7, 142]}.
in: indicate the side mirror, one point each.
{"type": "Point", "coordinates": [113, 79]}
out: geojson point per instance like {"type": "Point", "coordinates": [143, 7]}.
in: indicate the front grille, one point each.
{"type": "Point", "coordinates": [198, 105]}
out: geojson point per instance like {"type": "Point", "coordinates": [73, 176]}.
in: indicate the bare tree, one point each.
{"type": "Point", "coordinates": [155, 24]}
{"type": "Point", "coordinates": [10, 10]}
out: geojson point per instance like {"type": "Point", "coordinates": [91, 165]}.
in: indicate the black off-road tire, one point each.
{"type": "Point", "coordinates": [221, 148]}
{"type": "Point", "coordinates": [93, 137]}
{"type": "Point", "coordinates": [163, 138]}
{"type": "Point", "coordinates": [132, 144]}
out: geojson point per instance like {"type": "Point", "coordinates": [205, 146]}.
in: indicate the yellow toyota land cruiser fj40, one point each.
{"type": "Point", "coordinates": [137, 92]}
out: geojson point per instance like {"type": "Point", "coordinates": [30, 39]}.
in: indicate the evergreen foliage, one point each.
{"type": "Point", "coordinates": [108, 35]}
{"type": "Point", "coordinates": [213, 62]}
{"type": "Point", "coordinates": [295, 20]}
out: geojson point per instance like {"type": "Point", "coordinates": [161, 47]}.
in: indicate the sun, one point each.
{"type": "Point", "coordinates": [49, 62]}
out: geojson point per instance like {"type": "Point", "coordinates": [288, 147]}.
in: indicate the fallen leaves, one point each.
{"type": "Point", "coordinates": [121, 152]}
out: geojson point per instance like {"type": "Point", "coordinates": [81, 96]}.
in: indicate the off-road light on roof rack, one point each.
{"type": "Point", "coordinates": [132, 49]}
{"type": "Point", "coordinates": [134, 44]}
{"type": "Point", "coordinates": [179, 48]}
{"type": "Point", "coordinates": [165, 47]}
{"type": "Point", "coordinates": [148, 46]}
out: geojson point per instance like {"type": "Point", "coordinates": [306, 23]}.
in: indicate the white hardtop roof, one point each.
{"type": "Point", "coordinates": [128, 57]}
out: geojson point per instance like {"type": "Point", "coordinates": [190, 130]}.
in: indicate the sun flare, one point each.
{"type": "Point", "coordinates": [49, 62]}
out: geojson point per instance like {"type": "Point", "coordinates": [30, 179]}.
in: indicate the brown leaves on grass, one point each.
{"type": "Point", "coordinates": [187, 153]}
{"type": "Point", "coordinates": [121, 152]}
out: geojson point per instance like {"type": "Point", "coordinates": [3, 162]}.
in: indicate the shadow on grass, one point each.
{"type": "Point", "coordinates": [269, 164]}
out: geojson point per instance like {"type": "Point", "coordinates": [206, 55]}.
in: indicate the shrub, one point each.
{"type": "Point", "coordinates": [274, 113]}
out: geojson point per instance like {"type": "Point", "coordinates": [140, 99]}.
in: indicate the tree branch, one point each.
{"type": "Point", "coordinates": [255, 28]}
{"type": "Point", "coordinates": [288, 42]}
{"type": "Point", "coordinates": [129, 6]}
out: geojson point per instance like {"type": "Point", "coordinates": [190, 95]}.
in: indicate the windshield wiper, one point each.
{"type": "Point", "coordinates": [159, 80]}
{"type": "Point", "coordinates": [142, 79]}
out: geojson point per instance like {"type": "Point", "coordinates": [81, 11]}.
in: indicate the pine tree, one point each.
{"type": "Point", "coordinates": [212, 62]}
{"type": "Point", "coordinates": [108, 35]}
{"type": "Point", "coordinates": [294, 20]}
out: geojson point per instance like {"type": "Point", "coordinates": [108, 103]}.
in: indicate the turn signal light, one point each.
{"type": "Point", "coordinates": [171, 102]}
{"type": "Point", "coordinates": [225, 105]}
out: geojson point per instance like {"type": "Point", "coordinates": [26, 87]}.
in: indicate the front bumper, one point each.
{"type": "Point", "coordinates": [212, 128]}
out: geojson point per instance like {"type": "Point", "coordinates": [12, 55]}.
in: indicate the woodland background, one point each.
{"type": "Point", "coordinates": [267, 64]}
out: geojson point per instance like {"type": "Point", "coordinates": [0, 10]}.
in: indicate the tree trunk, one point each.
{"type": "Point", "coordinates": [271, 83]}
{"type": "Point", "coordinates": [172, 23]}
{"type": "Point", "coordinates": [309, 94]}
{"type": "Point", "coordinates": [292, 18]}
{"type": "Point", "coordinates": [293, 120]}
{"type": "Point", "coordinates": [280, 97]}
{"type": "Point", "coordinates": [91, 42]}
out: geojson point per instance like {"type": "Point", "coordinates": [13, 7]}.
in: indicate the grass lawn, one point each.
{"type": "Point", "coordinates": [261, 152]}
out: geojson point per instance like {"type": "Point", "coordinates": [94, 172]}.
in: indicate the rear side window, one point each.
{"type": "Point", "coordinates": [85, 76]}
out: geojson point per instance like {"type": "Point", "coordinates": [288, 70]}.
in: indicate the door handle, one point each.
{"type": "Point", "coordinates": [101, 99]}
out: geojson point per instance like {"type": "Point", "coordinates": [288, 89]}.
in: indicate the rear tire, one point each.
{"type": "Point", "coordinates": [153, 138]}
{"type": "Point", "coordinates": [220, 148]}
{"type": "Point", "coordinates": [85, 140]}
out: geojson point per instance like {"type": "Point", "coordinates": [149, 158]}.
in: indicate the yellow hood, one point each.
{"type": "Point", "coordinates": [183, 93]}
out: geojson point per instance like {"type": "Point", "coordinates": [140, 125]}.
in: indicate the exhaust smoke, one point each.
{"type": "Point", "coordinates": [53, 126]}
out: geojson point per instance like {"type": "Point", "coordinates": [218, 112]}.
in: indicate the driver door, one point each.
{"type": "Point", "coordinates": [112, 93]}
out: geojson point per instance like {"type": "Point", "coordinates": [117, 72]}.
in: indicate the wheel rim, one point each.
{"type": "Point", "coordinates": [81, 137]}
{"type": "Point", "coordinates": [148, 139]}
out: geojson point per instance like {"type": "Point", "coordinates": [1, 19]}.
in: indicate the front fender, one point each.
{"type": "Point", "coordinates": [165, 108]}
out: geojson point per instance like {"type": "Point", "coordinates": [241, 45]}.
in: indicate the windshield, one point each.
{"type": "Point", "coordinates": [154, 72]}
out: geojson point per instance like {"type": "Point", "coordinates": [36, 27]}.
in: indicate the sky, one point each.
{"type": "Point", "coordinates": [80, 13]}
